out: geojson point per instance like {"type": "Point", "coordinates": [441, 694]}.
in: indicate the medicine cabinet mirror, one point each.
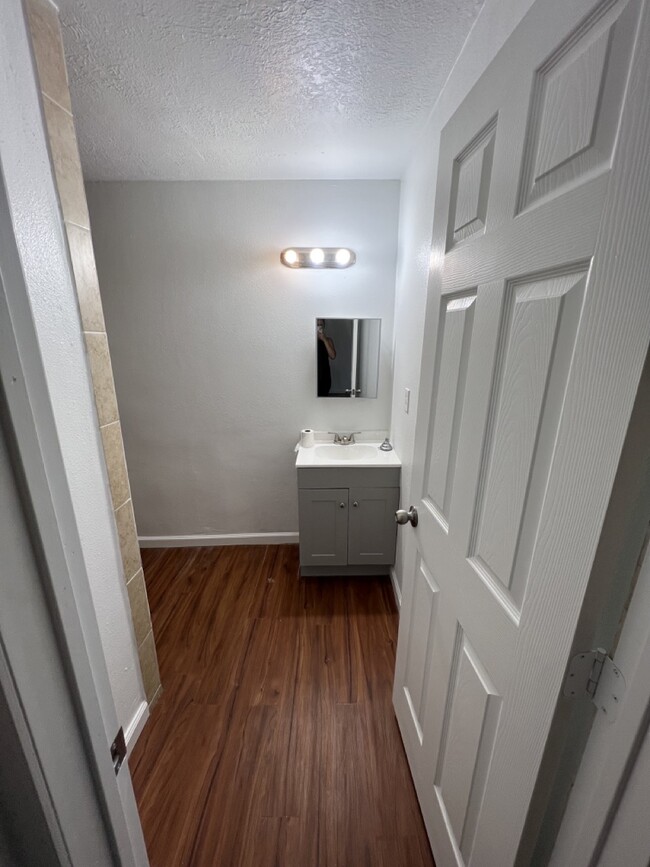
{"type": "Point", "coordinates": [347, 357]}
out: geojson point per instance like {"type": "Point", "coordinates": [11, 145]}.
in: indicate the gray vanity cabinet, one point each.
{"type": "Point", "coordinates": [347, 520]}
{"type": "Point", "coordinates": [371, 525]}
{"type": "Point", "coordinates": [323, 526]}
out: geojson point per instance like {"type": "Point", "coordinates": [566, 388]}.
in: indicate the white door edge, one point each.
{"type": "Point", "coordinates": [613, 750]}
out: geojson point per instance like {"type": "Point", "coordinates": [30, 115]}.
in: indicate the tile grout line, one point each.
{"type": "Point", "coordinates": [108, 423]}
{"type": "Point", "coordinates": [69, 222]}
{"type": "Point", "coordinates": [149, 632]}
{"type": "Point", "coordinates": [134, 574]}
{"type": "Point", "coordinates": [117, 508]}
{"type": "Point", "coordinates": [141, 569]}
{"type": "Point", "coordinates": [58, 105]}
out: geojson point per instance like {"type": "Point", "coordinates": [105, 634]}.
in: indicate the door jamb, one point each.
{"type": "Point", "coordinates": [44, 487]}
{"type": "Point", "coordinates": [52, 521]}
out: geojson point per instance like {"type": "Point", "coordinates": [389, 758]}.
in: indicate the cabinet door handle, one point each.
{"type": "Point", "coordinates": [341, 505]}
{"type": "Point", "coordinates": [355, 504]}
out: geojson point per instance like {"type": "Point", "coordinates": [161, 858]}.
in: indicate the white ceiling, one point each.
{"type": "Point", "coordinates": [215, 89]}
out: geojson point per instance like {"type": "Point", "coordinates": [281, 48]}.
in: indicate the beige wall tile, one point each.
{"type": "Point", "coordinates": [85, 275]}
{"type": "Point", "coordinates": [45, 30]}
{"type": "Point", "coordinates": [125, 521]}
{"type": "Point", "coordinates": [67, 166]}
{"type": "Point", "coordinates": [139, 607]}
{"type": "Point", "coordinates": [118, 478]}
{"type": "Point", "coordinates": [149, 666]}
{"type": "Point", "coordinates": [102, 374]}
{"type": "Point", "coordinates": [44, 25]}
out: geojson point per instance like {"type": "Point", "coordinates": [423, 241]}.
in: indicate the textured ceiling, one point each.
{"type": "Point", "coordinates": [197, 89]}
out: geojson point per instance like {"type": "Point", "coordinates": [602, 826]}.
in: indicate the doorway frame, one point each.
{"type": "Point", "coordinates": [38, 465]}
{"type": "Point", "coordinates": [38, 461]}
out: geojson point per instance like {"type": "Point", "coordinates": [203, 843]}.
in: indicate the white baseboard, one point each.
{"type": "Point", "coordinates": [136, 725]}
{"type": "Point", "coordinates": [396, 588]}
{"type": "Point", "coordinates": [201, 540]}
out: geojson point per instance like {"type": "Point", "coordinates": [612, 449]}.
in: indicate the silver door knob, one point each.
{"type": "Point", "coordinates": [341, 505]}
{"type": "Point", "coordinates": [355, 504]}
{"type": "Point", "coordinates": [404, 517]}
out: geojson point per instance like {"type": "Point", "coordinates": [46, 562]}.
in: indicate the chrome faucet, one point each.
{"type": "Point", "coordinates": [344, 439]}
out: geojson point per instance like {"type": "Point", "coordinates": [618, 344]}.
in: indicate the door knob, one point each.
{"type": "Point", "coordinates": [404, 517]}
{"type": "Point", "coordinates": [341, 505]}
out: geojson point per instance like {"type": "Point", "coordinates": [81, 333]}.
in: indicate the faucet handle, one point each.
{"type": "Point", "coordinates": [344, 439]}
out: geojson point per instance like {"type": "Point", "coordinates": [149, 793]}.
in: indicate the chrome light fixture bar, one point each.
{"type": "Point", "coordinates": [318, 257]}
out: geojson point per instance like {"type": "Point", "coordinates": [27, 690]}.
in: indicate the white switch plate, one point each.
{"type": "Point", "coordinates": [407, 399]}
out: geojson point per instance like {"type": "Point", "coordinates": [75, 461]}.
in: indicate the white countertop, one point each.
{"type": "Point", "coordinates": [365, 452]}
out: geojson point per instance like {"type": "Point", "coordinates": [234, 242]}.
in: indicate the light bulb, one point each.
{"type": "Point", "coordinates": [317, 256]}
{"type": "Point", "coordinates": [343, 256]}
{"type": "Point", "coordinates": [290, 257]}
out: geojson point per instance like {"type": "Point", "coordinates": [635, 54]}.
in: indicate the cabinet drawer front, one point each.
{"type": "Point", "coordinates": [372, 531]}
{"type": "Point", "coordinates": [348, 477]}
{"type": "Point", "coordinates": [323, 527]}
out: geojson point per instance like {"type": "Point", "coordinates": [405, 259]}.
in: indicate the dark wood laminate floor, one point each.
{"type": "Point", "coordinates": [275, 741]}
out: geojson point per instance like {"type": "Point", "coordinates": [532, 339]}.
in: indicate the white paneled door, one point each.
{"type": "Point", "coordinates": [537, 326]}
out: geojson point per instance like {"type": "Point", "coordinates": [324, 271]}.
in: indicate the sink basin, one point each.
{"type": "Point", "coordinates": [351, 453]}
{"type": "Point", "coordinates": [364, 454]}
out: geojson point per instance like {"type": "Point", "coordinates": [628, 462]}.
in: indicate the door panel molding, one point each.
{"type": "Point", "coordinates": [531, 405]}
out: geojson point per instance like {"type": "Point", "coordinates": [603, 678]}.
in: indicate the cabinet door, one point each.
{"type": "Point", "coordinates": [372, 531]}
{"type": "Point", "coordinates": [323, 526]}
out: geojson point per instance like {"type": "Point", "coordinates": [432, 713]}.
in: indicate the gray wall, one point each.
{"type": "Point", "coordinates": [212, 339]}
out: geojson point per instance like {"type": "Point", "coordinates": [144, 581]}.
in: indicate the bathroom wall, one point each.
{"type": "Point", "coordinates": [213, 340]}
{"type": "Point", "coordinates": [496, 21]}
{"type": "Point", "coordinates": [125, 667]}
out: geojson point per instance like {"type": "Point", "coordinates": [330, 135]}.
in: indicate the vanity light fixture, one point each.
{"type": "Point", "coordinates": [318, 257]}
{"type": "Point", "coordinates": [343, 257]}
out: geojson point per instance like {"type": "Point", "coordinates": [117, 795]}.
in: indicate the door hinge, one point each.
{"type": "Point", "coordinates": [118, 750]}
{"type": "Point", "coordinates": [592, 673]}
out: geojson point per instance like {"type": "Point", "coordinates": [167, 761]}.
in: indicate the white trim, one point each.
{"type": "Point", "coordinates": [136, 725]}
{"type": "Point", "coordinates": [200, 540]}
{"type": "Point", "coordinates": [33, 244]}
{"type": "Point", "coordinates": [396, 588]}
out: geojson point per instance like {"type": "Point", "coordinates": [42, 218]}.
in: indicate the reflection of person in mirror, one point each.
{"type": "Point", "coordinates": [326, 352]}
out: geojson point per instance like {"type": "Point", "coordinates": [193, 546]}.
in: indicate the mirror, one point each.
{"type": "Point", "coordinates": [347, 357]}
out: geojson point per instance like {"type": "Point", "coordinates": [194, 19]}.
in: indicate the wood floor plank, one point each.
{"type": "Point", "coordinates": [228, 801]}
{"type": "Point", "coordinates": [281, 594]}
{"type": "Point", "coordinates": [169, 795]}
{"type": "Point", "coordinates": [274, 742]}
